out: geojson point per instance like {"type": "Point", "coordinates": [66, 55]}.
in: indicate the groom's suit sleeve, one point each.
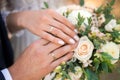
{"type": "Point", "coordinates": [2, 76]}
{"type": "Point", "coordinates": [5, 75]}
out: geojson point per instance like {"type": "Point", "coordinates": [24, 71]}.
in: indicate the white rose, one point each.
{"type": "Point", "coordinates": [84, 50]}
{"type": "Point", "coordinates": [117, 27]}
{"type": "Point", "coordinates": [64, 9]}
{"type": "Point", "coordinates": [111, 25]}
{"type": "Point", "coordinates": [73, 16]}
{"type": "Point", "coordinates": [112, 49]}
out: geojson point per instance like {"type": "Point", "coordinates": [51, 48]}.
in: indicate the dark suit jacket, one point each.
{"type": "Point", "coordinates": [6, 52]}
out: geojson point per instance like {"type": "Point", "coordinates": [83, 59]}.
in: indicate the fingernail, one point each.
{"type": "Point", "coordinates": [76, 30]}
{"type": "Point", "coordinates": [72, 41]}
{"type": "Point", "coordinates": [76, 38]}
{"type": "Point", "coordinates": [61, 42]}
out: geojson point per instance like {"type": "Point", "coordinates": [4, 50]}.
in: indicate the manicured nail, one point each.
{"type": "Point", "coordinates": [61, 42]}
{"type": "Point", "coordinates": [76, 30]}
{"type": "Point", "coordinates": [76, 38]}
{"type": "Point", "coordinates": [72, 41]}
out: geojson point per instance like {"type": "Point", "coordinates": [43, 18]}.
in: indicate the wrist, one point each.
{"type": "Point", "coordinates": [17, 72]}
{"type": "Point", "coordinates": [13, 72]}
{"type": "Point", "coordinates": [14, 22]}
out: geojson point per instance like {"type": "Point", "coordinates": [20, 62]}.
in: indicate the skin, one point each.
{"type": "Point", "coordinates": [36, 61]}
{"type": "Point", "coordinates": [40, 23]}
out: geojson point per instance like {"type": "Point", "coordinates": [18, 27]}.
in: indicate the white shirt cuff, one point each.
{"type": "Point", "coordinates": [6, 74]}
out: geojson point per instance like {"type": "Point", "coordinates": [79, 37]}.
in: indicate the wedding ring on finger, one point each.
{"type": "Point", "coordinates": [53, 56]}
{"type": "Point", "coordinates": [51, 29]}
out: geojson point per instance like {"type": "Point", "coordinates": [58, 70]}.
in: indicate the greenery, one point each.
{"type": "Point", "coordinates": [82, 2]}
{"type": "Point", "coordinates": [46, 6]}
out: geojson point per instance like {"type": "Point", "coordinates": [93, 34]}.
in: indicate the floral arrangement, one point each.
{"type": "Point", "coordinates": [99, 46]}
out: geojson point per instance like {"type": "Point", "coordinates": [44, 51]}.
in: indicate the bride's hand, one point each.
{"type": "Point", "coordinates": [47, 24]}
{"type": "Point", "coordinates": [39, 59]}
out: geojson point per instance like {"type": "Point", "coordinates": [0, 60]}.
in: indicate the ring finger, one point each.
{"type": "Point", "coordinates": [58, 33]}
{"type": "Point", "coordinates": [61, 52]}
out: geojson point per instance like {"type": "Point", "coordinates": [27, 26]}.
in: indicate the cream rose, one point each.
{"type": "Point", "coordinates": [112, 49]}
{"type": "Point", "coordinates": [84, 50]}
{"type": "Point", "coordinates": [109, 27]}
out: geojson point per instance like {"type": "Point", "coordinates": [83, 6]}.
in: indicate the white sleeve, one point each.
{"type": "Point", "coordinates": [6, 74]}
{"type": "Point", "coordinates": [4, 14]}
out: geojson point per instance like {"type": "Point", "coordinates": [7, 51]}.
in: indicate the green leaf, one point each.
{"type": "Point", "coordinates": [96, 63]}
{"type": "Point", "coordinates": [115, 36]}
{"type": "Point", "coordinates": [99, 10]}
{"type": "Point", "coordinates": [87, 30]}
{"type": "Point", "coordinates": [107, 56]}
{"type": "Point", "coordinates": [112, 2]}
{"type": "Point", "coordinates": [105, 67]}
{"type": "Point", "coordinates": [66, 75]}
{"type": "Point", "coordinates": [71, 66]}
{"type": "Point", "coordinates": [106, 64]}
{"type": "Point", "coordinates": [66, 14]}
{"type": "Point", "coordinates": [91, 75]}
{"type": "Point", "coordinates": [46, 5]}
{"type": "Point", "coordinates": [81, 2]}
{"type": "Point", "coordinates": [89, 20]}
{"type": "Point", "coordinates": [97, 42]}
{"type": "Point", "coordinates": [80, 20]}
{"type": "Point", "coordinates": [107, 11]}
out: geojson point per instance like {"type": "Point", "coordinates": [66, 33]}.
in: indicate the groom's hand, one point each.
{"type": "Point", "coordinates": [39, 59]}
{"type": "Point", "coordinates": [47, 24]}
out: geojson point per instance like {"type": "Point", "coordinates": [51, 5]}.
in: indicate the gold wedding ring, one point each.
{"type": "Point", "coordinates": [51, 29]}
{"type": "Point", "coordinates": [53, 55]}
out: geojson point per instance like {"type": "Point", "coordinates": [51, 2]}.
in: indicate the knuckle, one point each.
{"type": "Point", "coordinates": [57, 31]}
{"type": "Point", "coordinates": [46, 36]}
{"type": "Point", "coordinates": [67, 57]}
{"type": "Point", "coordinates": [71, 33]}
{"type": "Point", "coordinates": [68, 47]}
{"type": "Point", "coordinates": [65, 49]}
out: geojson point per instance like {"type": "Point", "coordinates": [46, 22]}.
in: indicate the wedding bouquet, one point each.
{"type": "Point", "coordinates": [99, 47]}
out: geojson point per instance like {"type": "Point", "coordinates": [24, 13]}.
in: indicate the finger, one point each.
{"type": "Point", "coordinates": [61, 18]}
{"type": "Point", "coordinates": [61, 51]}
{"type": "Point", "coordinates": [51, 47]}
{"type": "Point", "coordinates": [65, 58]}
{"type": "Point", "coordinates": [52, 38]}
{"type": "Point", "coordinates": [65, 29]}
{"type": "Point", "coordinates": [58, 33]}
{"type": "Point", "coordinates": [43, 42]}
